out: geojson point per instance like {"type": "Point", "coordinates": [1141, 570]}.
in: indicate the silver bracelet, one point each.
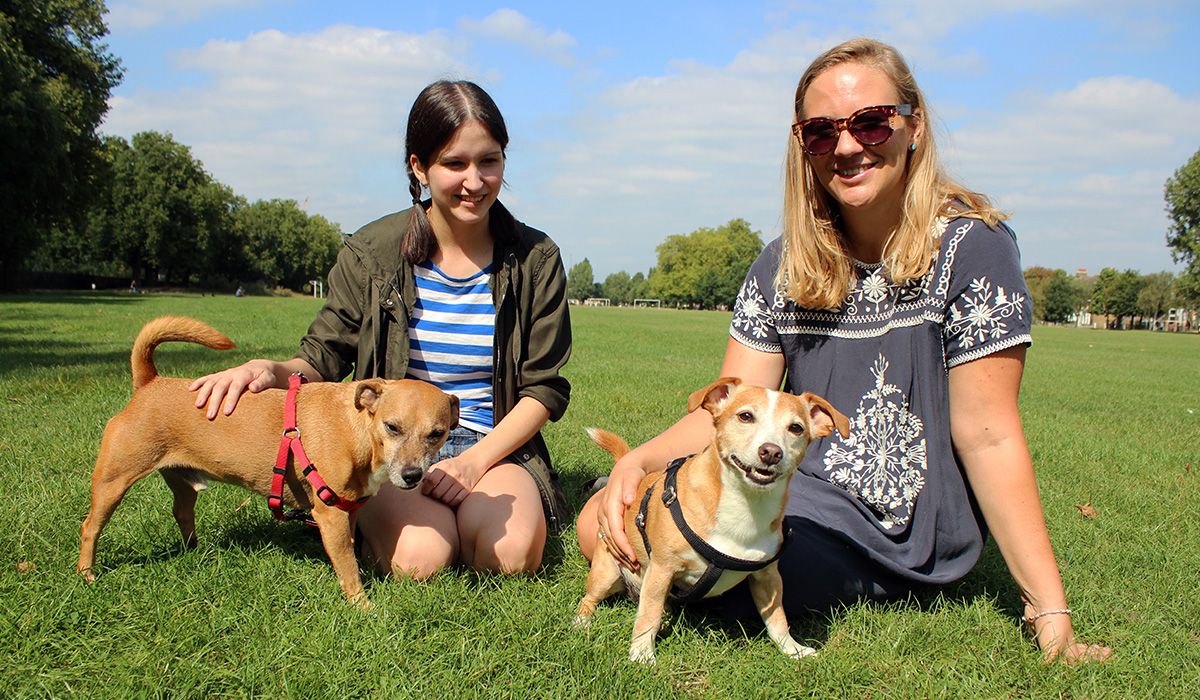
{"type": "Point", "coordinates": [1062, 611]}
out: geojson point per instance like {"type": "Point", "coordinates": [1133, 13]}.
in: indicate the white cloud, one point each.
{"type": "Point", "coordinates": [512, 26]}
{"type": "Point", "coordinates": [610, 174]}
{"type": "Point", "coordinates": [1083, 169]}
{"type": "Point", "coordinates": [137, 15]}
{"type": "Point", "coordinates": [666, 154]}
{"type": "Point", "coordinates": [312, 116]}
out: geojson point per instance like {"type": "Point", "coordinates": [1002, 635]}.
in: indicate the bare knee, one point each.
{"type": "Point", "coordinates": [586, 526]}
{"type": "Point", "coordinates": [510, 554]}
{"type": "Point", "coordinates": [407, 534]}
{"type": "Point", "coordinates": [418, 557]}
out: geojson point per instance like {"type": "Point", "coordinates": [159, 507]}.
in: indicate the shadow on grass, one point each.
{"type": "Point", "coordinates": [295, 540]}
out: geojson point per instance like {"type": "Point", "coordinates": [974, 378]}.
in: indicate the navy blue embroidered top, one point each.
{"type": "Point", "coordinates": [894, 488]}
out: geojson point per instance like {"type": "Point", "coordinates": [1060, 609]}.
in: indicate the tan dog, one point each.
{"type": "Point", "coordinates": [731, 496]}
{"type": "Point", "coordinates": [358, 435]}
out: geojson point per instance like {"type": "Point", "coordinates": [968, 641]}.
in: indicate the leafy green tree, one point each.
{"type": "Point", "coordinates": [581, 280]}
{"type": "Point", "coordinates": [705, 267]}
{"type": "Point", "coordinates": [1036, 279]}
{"type": "Point", "coordinates": [1157, 295]}
{"type": "Point", "coordinates": [618, 287]}
{"type": "Point", "coordinates": [56, 76]}
{"type": "Point", "coordinates": [1061, 297]}
{"type": "Point", "coordinates": [1182, 193]}
{"type": "Point", "coordinates": [1116, 295]}
{"type": "Point", "coordinates": [637, 286]}
{"type": "Point", "coordinates": [284, 246]}
{"type": "Point", "coordinates": [1104, 292]}
{"type": "Point", "coordinates": [165, 218]}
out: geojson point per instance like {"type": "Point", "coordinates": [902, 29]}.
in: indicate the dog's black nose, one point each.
{"type": "Point", "coordinates": [411, 475]}
{"type": "Point", "coordinates": [770, 454]}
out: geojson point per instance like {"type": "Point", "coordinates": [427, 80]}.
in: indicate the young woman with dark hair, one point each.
{"type": "Point", "coordinates": [453, 291]}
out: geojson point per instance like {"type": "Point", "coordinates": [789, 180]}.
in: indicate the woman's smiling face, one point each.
{"type": "Point", "coordinates": [867, 182]}
{"type": "Point", "coordinates": [464, 178]}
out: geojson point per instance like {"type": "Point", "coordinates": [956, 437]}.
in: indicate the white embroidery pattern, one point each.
{"type": "Point", "coordinates": [750, 313]}
{"type": "Point", "coordinates": [883, 462]}
{"type": "Point", "coordinates": [981, 316]}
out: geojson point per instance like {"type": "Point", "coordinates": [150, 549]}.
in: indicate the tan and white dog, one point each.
{"type": "Point", "coordinates": [730, 497]}
{"type": "Point", "coordinates": [359, 434]}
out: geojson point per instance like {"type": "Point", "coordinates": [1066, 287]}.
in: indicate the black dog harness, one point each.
{"type": "Point", "coordinates": [718, 561]}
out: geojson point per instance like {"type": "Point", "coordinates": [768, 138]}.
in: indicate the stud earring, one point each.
{"type": "Point", "coordinates": [912, 146]}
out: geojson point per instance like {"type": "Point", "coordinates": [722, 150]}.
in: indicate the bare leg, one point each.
{"type": "Point", "coordinates": [408, 533]}
{"type": "Point", "coordinates": [501, 524]}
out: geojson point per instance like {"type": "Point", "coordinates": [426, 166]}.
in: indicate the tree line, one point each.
{"type": "Point", "coordinates": [141, 209]}
{"type": "Point", "coordinates": [158, 217]}
{"type": "Point", "coordinates": [1125, 299]}
{"type": "Point", "coordinates": [702, 269]}
{"type": "Point", "coordinates": [146, 209]}
{"type": "Point", "coordinates": [705, 269]}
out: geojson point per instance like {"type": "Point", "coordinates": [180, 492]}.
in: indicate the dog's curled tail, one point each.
{"type": "Point", "coordinates": [611, 442]}
{"type": "Point", "coordinates": [166, 329]}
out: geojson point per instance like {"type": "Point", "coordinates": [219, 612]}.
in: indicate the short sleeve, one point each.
{"type": "Point", "coordinates": [753, 322]}
{"type": "Point", "coordinates": [988, 308]}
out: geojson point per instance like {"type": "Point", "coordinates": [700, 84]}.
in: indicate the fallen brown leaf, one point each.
{"type": "Point", "coordinates": [25, 567]}
{"type": "Point", "coordinates": [1086, 510]}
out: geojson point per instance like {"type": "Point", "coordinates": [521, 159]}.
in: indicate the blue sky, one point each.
{"type": "Point", "coordinates": [632, 121]}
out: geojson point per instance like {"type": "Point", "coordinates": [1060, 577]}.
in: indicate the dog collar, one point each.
{"type": "Point", "coordinates": [718, 561]}
{"type": "Point", "coordinates": [290, 445]}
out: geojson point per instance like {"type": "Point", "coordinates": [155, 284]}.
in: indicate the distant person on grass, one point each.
{"type": "Point", "coordinates": [457, 292]}
{"type": "Point", "coordinates": [897, 294]}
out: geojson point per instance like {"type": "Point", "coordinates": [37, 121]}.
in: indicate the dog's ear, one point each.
{"type": "Point", "coordinates": [825, 417]}
{"type": "Point", "coordinates": [366, 396]}
{"type": "Point", "coordinates": [454, 408]}
{"type": "Point", "coordinates": [712, 396]}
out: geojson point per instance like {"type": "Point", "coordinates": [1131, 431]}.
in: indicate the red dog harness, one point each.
{"type": "Point", "coordinates": [290, 445]}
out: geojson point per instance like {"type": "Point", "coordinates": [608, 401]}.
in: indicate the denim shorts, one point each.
{"type": "Point", "coordinates": [460, 439]}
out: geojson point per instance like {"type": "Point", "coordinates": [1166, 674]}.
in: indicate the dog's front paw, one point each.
{"type": "Point", "coordinates": [795, 649]}
{"type": "Point", "coordinates": [642, 655]}
{"type": "Point", "coordinates": [581, 622]}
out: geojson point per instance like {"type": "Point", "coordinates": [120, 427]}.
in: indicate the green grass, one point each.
{"type": "Point", "coordinates": [1112, 418]}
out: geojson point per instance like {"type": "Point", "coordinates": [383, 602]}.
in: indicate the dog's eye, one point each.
{"type": "Point", "coordinates": [436, 435]}
{"type": "Point", "coordinates": [393, 428]}
{"type": "Point", "coordinates": [796, 428]}
{"type": "Point", "coordinates": [746, 417]}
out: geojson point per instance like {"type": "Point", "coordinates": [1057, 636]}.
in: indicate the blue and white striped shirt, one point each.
{"type": "Point", "coordinates": [450, 339]}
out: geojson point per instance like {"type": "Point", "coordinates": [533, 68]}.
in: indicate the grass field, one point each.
{"type": "Point", "coordinates": [1113, 419]}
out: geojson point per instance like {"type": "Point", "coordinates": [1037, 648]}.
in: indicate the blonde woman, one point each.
{"type": "Point", "coordinates": [897, 294]}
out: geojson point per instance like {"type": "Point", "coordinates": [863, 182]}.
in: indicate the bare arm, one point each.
{"type": "Point", "coordinates": [220, 391]}
{"type": "Point", "coordinates": [689, 435]}
{"type": "Point", "coordinates": [451, 480]}
{"type": "Point", "coordinates": [985, 425]}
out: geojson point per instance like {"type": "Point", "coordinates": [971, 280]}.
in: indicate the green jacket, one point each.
{"type": "Point", "coordinates": [363, 326]}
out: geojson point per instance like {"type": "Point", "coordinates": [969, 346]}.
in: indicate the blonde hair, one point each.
{"type": "Point", "coordinates": [816, 270]}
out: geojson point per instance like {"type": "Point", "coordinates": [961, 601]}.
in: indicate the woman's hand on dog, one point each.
{"type": "Point", "coordinates": [451, 480]}
{"type": "Point", "coordinates": [220, 391]}
{"type": "Point", "coordinates": [617, 497]}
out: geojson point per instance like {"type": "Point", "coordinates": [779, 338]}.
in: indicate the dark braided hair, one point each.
{"type": "Point", "coordinates": [437, 113]}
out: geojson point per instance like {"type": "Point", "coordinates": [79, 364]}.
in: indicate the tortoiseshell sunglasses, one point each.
{"type": "Point", "coordinates": [870, 126]}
